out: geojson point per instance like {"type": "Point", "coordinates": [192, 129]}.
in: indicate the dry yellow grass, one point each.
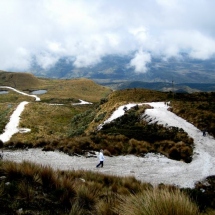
{"type": "Point", "coordinates": [56, 88]}
{"type": "Point", "coordinates": [45, 121]}
{"type": "Point", "coordinates": [19, 80]}
{"type": "Point", "coordinates": [48, 121]}
{"type": "Point", "coordinates": [74, 88]}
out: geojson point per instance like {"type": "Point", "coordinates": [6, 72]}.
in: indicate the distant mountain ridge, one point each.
{"type": "Point", "coordinates": [115, 68]}
{"type": "Point", "coordinates": [167, 86]}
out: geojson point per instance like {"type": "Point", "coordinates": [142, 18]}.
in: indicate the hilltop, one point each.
{"type": "Point", "coordinates": [19, 80]}
{"type": "Point", "coordinates": [56, 88]}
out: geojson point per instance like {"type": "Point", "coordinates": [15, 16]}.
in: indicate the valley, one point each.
{"type": "Point", "coordinates": [149, 136]}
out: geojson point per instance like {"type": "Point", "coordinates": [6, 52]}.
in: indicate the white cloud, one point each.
{"type": "Point", "coordinates": [87, 30]}
{"type": "Point", "coordinates": [46, 60]}
{"type": "Point", "coordinates": [140, 60]}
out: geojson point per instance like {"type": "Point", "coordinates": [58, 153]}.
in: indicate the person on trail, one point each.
{"type": "Point", "coordinates": [204, 133]}
{"type": "Point", "coordinates": [101, 159]}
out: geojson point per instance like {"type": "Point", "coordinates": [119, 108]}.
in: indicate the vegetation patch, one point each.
{"type": "Point", "coordinates": [5, 112]}
{"type": "Point", "coordinates": [27, 188]}
{"type": "Point", "coordinates": [197, 108]}
{"type": "Point", "coordinates": [143, 137]}
{"type": "Point", "coordinates": [48, 122]}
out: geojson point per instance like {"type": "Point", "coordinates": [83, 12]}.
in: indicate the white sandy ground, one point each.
{"type": "Point", "coordinates": [82, 102]}
{"type": "Point", "coordinates": [152, 168]}
{"type": "Point", "coordinates": [12, 126]}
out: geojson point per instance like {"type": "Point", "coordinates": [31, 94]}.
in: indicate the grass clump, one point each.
{"type": "Point", "coordinates": [158, 202]}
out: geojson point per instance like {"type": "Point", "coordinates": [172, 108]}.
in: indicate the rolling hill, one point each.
{"type": "Point", "coordinates": [57, 124]}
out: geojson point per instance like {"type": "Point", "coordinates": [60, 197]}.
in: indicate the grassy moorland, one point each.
{"type": "Point", "coordinates": [45, 118]}
{"type": "Point", "coordinates": [27, 188]}
{"type": "Point", "coordinates": [19, 80]}
{"type": "Point", "coordinates": [30, 189]}
{"type": "Point", "coordinates": [73, 129]}
{"type": "Point", "coordinates": [197, 108]}
{"type": "Point", "coordinates": [58, 90]}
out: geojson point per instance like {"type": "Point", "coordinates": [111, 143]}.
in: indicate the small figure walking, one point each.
{"type": "Point", "coordinates": [101, 159]}
{"type": "Point", "coordinates": [204, 133]}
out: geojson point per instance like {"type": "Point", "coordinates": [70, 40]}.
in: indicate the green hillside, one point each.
{"type": "Point", "coordinates": [56, 123]}
{"type": "Point", "coordinates": [30, 189]}
{"type": "Point", "coordinates": [57, 89]}
{"type": "Point", "coordinates": [19, 80]}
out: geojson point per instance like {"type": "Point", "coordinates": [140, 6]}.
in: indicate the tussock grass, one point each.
{"type": "Point", "coordinates": [48, 178]}
{"type": "Point", "coordinates": [11, 170]}
{"type": "Point", "coordinates": [158, 202]}
{"type": "Point", "coordinates": [86, 197]}
{"type": "Point", "coordinates": [85, 192]}
{"type": "Point", "coordinates": [58, 192]}
{"type": "Point", "coordinates": [77, 209]}
{"type": "Point", "coordinates": [25, 191]}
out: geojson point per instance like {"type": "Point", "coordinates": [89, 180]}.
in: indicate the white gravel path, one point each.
{"type": "Point", "coordinates": [12, 127]}
{"type": "Point", "coordinates": [152, 168]}
{"type": "Point", "coordinates": [20, 92]}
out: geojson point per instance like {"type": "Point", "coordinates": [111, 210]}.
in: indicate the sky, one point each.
{"type": "Point", "coordinates": [84, 31]}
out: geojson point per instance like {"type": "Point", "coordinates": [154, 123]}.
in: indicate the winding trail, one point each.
{"type": "Point", "coordinates": [20, 92]}
{"type": "Point", "coordinates": [12, 126]}
{"type": "Point", "coordinates": [152, 168]}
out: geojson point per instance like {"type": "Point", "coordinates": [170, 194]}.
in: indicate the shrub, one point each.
{"type": "Point", "coordinates": [174, 153]}
{"type": "Point", "coordinates": [48, 148]}
{"type": "Point", "coordinates": [100, 117]}
{"type": "Point", "coordinates": [107, 153]}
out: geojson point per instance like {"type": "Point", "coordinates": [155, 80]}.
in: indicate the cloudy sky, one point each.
{"type": "Point", "coordinates": [84, 31]}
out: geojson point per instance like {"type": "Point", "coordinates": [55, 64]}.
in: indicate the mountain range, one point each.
{"type": "Point", "coordinates": [180, 75]}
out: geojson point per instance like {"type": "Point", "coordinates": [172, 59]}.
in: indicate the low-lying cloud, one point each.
{"type": "Point", "coordinates": [84, 31]}
{"type": "Point", "coordinates": [140, 61]}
